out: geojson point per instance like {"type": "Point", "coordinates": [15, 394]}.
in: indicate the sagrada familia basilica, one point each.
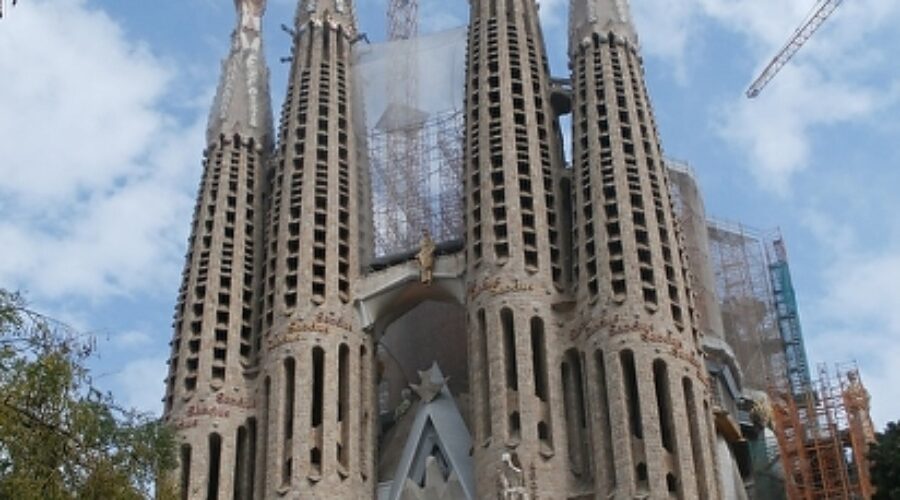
{"type": "Point", "coordinates": [552, 351]}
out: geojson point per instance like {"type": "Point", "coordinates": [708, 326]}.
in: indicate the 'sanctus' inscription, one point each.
{"type": "Point", "coordinates": [498, 286]}
{"type": "Point", "coordinates": [297, 329]}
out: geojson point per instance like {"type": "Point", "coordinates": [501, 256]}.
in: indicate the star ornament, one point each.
{"type": "Point", "coordinates": [432, 381]}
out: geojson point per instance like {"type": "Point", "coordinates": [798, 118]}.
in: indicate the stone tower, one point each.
{"type": "Point", "coordinates": [650, 433]}
{"type": "Point", "coordinates": [514, 262]}
{"type": "Point", "coordinates": [210, 391]}
{"type": "Point", "coordinates": [314, 356]}
{"type": "Point", "coordinates": [302, 367]}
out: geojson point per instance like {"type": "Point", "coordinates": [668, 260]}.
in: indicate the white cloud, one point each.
{"type": "Point", "coordinates": [830, 82]}
{"type": "Point", "coordinates": [860, 320]}
{"type": "Point", "coordinates": [132, 339]}
{"type": "Point", "coordinates": [665, 30]}
{"type": "Point", "coordinates": [69, 77]}
{"type": "Point", "coordinates": [776, 128]}
{"type": "Point", "coordinates": [140, 384]}
{"type": "Point", "coordinates": [96, 178]}
{"type": "Point", "coordinates": [553, 13]}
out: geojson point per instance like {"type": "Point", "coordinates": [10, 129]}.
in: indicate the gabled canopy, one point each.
{"type": "Point", "coordinates": [438, 438]}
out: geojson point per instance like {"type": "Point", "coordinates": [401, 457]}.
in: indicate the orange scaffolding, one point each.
{"type": "Point", "coordinates": [823, 434]}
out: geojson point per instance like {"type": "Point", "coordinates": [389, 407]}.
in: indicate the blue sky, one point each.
{"type": "Point", "coordinates": [103, 106]}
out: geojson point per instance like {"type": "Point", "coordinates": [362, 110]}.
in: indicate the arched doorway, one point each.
{"type": "Point", "coordinates": [419, 328]}
{"type": "Point", "coordinates": [431, 332]}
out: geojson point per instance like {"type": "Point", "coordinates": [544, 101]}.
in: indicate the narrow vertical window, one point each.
{"type": "Point", "coordinates": [664, 405]}
{"type": "Point", "coordinates": [318, 363]}
{"type": "Point", "coordinates": [253, 442]}
{"type": "Point", "coordinates": [539, 368]}
{"type": "Point", "coordinates": [318, 401]}
{"type": "Point", "coordinates": [343, 404]}
{"type": "Point", "coordinates": [690, 404]}
{"type": "Point", "coordinates": [264, 441]}
{"type": "Point", "coordinates": [509, 349]}
{"type": "Point", "coordinates": [363, 411]}
{"type": "Point", "coordinates": [515, 426]}
{"type": "Point", "coordinates": [215, 462]}
{"type": "Point", "coordinates": [539, 358]}
{"type": "Point", "coordinates": [641, 478]}
{"type": "Point", "coordinates": [576, 418]}
{"type": "Point", "coordinates": [240, 465]}
{"type": "Point", "coordinates": [290, 385]}
{"type": "Point", "coordinates": [185, 471]}
{"type": "Point", "coordinates": [485, 378]}
{"type": "Point", "coordinates": [606, 423]}
{"type": "Point", "coordinates": [514, 421]}
{"type": "Point", "coordinates": [629, 374]}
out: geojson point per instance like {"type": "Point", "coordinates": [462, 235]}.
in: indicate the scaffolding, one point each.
{"type": "Point", "coordinates": [407, 202]}
{"type": "Point", "coordinates": [414, 139]}
{"type": "Point", "coordinates": [823, 435]}
{"type": "Point", "coordinates": [687, 201]}
{"type": "Point", "coordinates": [788, 317]}
{"type": "Point", "coordinates": [399, 136]}
{"type": "Point", "coordinates": [740, 261]}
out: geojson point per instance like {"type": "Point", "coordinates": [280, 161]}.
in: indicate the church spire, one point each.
{"type": "Point", "coordinates": [334, 12]}
{"type": "Point", "coordinates": [589, 17]}
{"type": "Point", "coordinates": [243, 105]}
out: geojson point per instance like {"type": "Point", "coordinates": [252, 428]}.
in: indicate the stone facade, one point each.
{"type": "Point", "coordinates": [640, 333]}
{"type": "Point", "coordinates": [569, 305]}
{"type": "Point", "coordinates": [211, 387]}
{"type": "Point", "coordinates": [514, 261]}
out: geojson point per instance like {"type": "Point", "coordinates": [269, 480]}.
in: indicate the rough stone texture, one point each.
{"type": "Point", "coordinates": [210, 392]}
{"type": "Point", "coordinates": [632, 279]}
{"type": "Point", "coordinates": [585, 375]}
{"type": "Point", "coordinates": [514, 261]}
{"type": "Point", "coordinates": [692, 217]}
{"type": "Point", "coordinates": [320, 446]}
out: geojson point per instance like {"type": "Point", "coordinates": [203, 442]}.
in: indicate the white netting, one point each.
{"type": "Point", "coordinates": [413, 92]}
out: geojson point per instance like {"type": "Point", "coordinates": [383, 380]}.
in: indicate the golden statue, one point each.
{"type": "Point", "coordinates": [426, 257]}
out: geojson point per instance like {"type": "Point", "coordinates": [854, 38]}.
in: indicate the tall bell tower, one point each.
{"type": "Point", "coordinates": [315, 358]}
{"type": "Point", "coordinates": [514, 270]}
{"type": "Point", "coordinates": [650, 432]}
{"type": "Point", "coordinates": [210, 389]}
{"type": "Point", "coordinates": [563, 315]}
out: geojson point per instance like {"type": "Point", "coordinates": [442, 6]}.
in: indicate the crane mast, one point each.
{"type": "Point", "coordinates": [811, 24]}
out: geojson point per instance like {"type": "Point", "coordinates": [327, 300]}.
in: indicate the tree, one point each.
{"type": "Point", "coordinates": [885, 457]}
{"type": "Point", "coordinates": [61, 438]}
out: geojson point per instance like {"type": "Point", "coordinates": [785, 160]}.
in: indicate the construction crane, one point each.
{"type": "Point", "coordinates": [817, 16]}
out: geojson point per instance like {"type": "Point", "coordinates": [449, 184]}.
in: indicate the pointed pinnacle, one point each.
{"type": "Point", "coordinates": [603, 17]}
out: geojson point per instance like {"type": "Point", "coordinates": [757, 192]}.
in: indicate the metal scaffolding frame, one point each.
{"type": "Point", "coordinates": [687, 200]}
{"type": "Point", "coordinates": [402, 128]}
{"type": "Point", "coordinates": [823, 436]}
{"type": "Point", "coordinates": [740, 259]}
{"type": "Point", "coordinates": [414, 139]}
{"type": "Point", "coordinates": [788, 317]}
{"type": "Point", "coordinates": [405, 205]}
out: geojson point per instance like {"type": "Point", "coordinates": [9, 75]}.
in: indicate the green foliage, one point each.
{"type": "Point", "coordinates": [885, 457]}
{"type": "Point", "coordinates": [59, 437]}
